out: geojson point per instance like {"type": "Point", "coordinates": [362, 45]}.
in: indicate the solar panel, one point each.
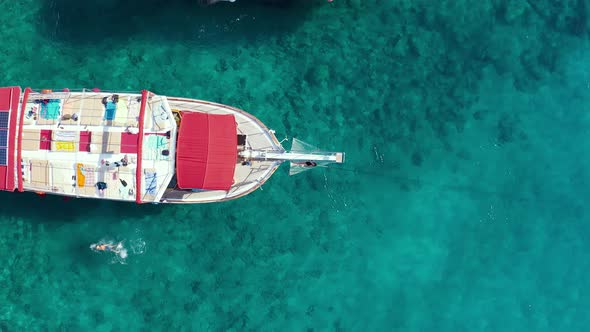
{"type": "Point", "coordinates": [3, 138]}
{"type": "Point", "coordinates": [4, 119]}
{"type": "Point", "coordinates": [3, 156]}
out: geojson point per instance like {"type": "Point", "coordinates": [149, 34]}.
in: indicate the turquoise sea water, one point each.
{"type": "Point", "coordinates": [462, 205]}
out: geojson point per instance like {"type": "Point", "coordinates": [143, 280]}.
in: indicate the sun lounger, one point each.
{"type": "Point", "coordinates": [71, 106]}
{"type": "Point", "coordinates": [64, 141]}
{"type": "Point", "coordinates": [155, 145]}
{"type": "Point", "coordinates": [31, 111]}
{"type": "Point", "coordinates": [49, 112]}
{"type": "Point", "coordinates": [86, 179]}
{"type": "Point", "coordinates": [126, 174]}
{"type": "Point", "coordinates": [89, 176]}
{"type": "Point", "coordinates": [105, 142]}
{"type": "Point", "coordinates": [31, 139]}
{"type": "Point", "coordinates": [62, 177]}
{"type": "Point", "coordinates": [151, 184]}
{"type": "Point", "coordinates": [160, 117]}
{"type": "Point", "coordinates": [122, 113]}
{"type": "Point", "coordinates": [133, 113]}
{"type": "Point", "coordinates": [39, 173]}
{"type": "Point", "coordinates": [110, 176]}
{"type": "Point", "coordinates": [92, 111]}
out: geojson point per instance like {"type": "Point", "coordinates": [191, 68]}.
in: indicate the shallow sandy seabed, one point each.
{"type": "Point", "coordinates": [461, 206]}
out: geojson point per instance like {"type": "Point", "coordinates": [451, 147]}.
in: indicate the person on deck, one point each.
{"type": "Point", "coordinates": [123, 162]}
{"type": "Point", "coordinates": [306, 164]}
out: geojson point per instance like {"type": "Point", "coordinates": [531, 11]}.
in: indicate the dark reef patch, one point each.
{"type": "Point", "coordinates": [113, 21]}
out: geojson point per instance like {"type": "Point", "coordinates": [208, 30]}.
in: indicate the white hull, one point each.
{"type": "Point", "coordinates": [123, 146]}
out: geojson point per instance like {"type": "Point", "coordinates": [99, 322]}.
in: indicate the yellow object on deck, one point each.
{"type": "Point", "coordinates": [65, 146]}
{"type": "Point", "coordinates": [80, 177]}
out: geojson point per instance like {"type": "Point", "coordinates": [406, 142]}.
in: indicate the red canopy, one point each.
{"type": "Point", "coordinates": [206, 152]}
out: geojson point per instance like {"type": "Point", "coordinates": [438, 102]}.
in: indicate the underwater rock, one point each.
{"type": "Point", "coordinates": [416, 159]}
{"type": "Point", "coordinates": [318, 75]}
{"type": "Point", "coordinates": [506, 128]}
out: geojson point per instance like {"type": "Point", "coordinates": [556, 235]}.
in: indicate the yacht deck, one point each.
{"type": "Point", "coordinates": [123, 146]}
{"type": "Point", "coordinates": [249, 174]}
{"type": "Point", "coordinates": [73, 140]}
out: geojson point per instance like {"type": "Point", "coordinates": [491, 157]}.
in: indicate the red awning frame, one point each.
{"type": "Point", "coordinates": [19, 138]}
{"type": "Point", "coordinates": [138, 171]}
{"type": "Point", "coordinates": [19, 155]}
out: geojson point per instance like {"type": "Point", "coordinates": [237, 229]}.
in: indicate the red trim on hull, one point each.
{"type": "Point", "coordinates": [144, 96]}
{"type": "Point", "coordinates": [19, 157]}
{"type": "Point", "coordinates": [14, 99]}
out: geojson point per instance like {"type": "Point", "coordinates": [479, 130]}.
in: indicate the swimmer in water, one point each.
{"type": "Point", "coordinates": [104, 247]}
{"type": "Point", "coordinates": [108, 247]}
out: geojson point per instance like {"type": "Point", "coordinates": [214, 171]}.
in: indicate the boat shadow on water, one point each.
{"type": "Point", "coordinates": [62, 209]}
{"type": "Point", "coordinates": [91, 22]}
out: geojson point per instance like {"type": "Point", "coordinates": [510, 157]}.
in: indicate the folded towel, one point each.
{"type": "Point", "coordinates": [80, 175]}
{"type": "Point", "coordinates": [66, 136]}
{"type": "Point", "coordinates": [63, 146]}
{"type": "Point", "coordinates": [50, 110]}
{"type": "Point", "coordinates": [90, 176]}
{"type": "Point", "coordinates": [109, 113]}
{"type": "Point", "coordinates": [150, 181]}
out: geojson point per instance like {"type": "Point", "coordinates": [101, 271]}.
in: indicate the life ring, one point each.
{"type": "Point", "coordinates": [46, 91]}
